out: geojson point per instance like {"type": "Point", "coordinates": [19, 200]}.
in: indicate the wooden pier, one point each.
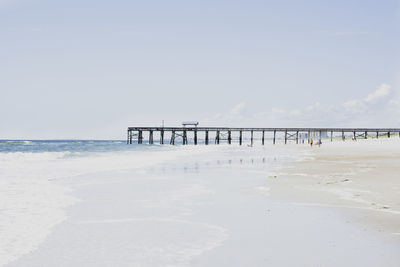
{"type": "Point", "coordinates": [217, 135]}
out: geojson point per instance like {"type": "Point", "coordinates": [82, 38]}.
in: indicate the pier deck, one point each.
{"type": "Point", "coordinates": [175, 134]}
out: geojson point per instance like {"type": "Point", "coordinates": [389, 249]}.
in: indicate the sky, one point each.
{"type": "Point", "coordinates": [89, 69]}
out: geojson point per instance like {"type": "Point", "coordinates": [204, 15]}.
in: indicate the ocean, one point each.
{"type": "Point", "coordinates": [70, 146]}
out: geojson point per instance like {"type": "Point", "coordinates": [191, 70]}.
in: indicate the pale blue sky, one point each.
{"type": "Point", "coordinates": [89, 69]}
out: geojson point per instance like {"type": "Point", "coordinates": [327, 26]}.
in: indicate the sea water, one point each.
{"type": "Point", "coordinates": [32, 201]}
{"type": "Point", "coordinates": [68, 146]}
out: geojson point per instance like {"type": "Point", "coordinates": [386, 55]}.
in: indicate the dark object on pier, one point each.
{"type": "Point", "coordinates": [190, 123]}
{"type": "Point", "coordinates": [226, 133]}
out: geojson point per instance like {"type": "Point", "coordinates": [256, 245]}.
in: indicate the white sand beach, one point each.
{"type": "Point", "coordinates": [360, 178]}
{"type": "Point", "coordinates": [334, 205]}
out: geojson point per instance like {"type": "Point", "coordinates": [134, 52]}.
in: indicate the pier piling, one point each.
{"type": "Point", "coordinates": [172, 142]}
{"type": "Point", "coordinates": [150, 137]}
{"type": "Point", "coordinates": [184, 137]}
{"type": "Point", "coordinates": [285, 137]}
{"type": "Point", "coordinates": [262, 140]}
{"type": "Point", "coordinates": [140, 137]}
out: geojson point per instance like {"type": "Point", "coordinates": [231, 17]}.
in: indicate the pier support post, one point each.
{"type": "Point", "coordinates": [140, 137]}
{"type": "Point", "coordinates": [309, 136]}
{"type": "Point", "coordinates": [206, 138]}
{"type": "Point", "coordinates": [263, 135]}
{"type": "Point", "coordinates": [366, 135]}
{"type": "Point", "coordinates": [285, 137]}
{"type": "Point", "coordinates": [320, 136]}
{"type": "Point", "coordinates": [184, 137]}
{"type": "Point", "coordinates": [217, 138]}
{"type": "Point", "coordinates": [251, 138]}
{"type": "Point", "coordinates": [389, 134]}
{"type": "Point", "coordinates": [229, 137]}
{"type": "Point", "coordinates": [297, 137]}
{"type": "Point", "coordinates": [130, 136]}
{"type": "Point", "coordinates": [343, 138]}
{"type": "Point", "coordinates": [274, 137]}
{"type": "Point", "coordinates": [240, 137]}
{"type": "Point", "coordinates": [331, 136]}
{"type": "Point", "coordinates": [172, 142]}
{"type": "Point", "coordinates": [377, 135]}
{"type": "Point", "coordinates": [354, 135]}
{"type": "Point", "coordinates": [162, 137]}
{"type": "Point", "coordinates": [195, 137]}
{"type": "Point", "coordinates": [151, 137]}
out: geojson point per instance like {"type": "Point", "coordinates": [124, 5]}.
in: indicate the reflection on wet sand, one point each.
{"type": "Point", "coordinates": [195, 167]}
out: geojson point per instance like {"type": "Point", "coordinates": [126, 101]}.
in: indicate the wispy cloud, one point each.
{"type": "Point", "coordinates": [382, 93]}
{"type": "Point", "coordinates": [378, 108]}
{"type": "Point", "coordinates": [238, 109]}
{"type": "Point", "coordinates": [233, 116]}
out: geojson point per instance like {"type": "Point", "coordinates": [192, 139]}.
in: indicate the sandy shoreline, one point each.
{"type": "Point", "coordinates": [360, 178]}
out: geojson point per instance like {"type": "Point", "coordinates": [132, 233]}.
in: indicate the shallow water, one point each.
{"type": "Point", "coordinates": [167, 206]}
{"type": "Point", "coordinates": [32, 201]}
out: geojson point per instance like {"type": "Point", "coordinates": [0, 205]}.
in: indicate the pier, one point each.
{"type": "Point", "coordinates": [208, 135]}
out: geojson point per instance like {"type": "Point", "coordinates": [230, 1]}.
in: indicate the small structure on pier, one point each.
{"type": "Point", "coordinates": [190, 123]}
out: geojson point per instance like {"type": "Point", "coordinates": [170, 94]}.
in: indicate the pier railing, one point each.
{"type": "Point", "coordinates": [175, 135]}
